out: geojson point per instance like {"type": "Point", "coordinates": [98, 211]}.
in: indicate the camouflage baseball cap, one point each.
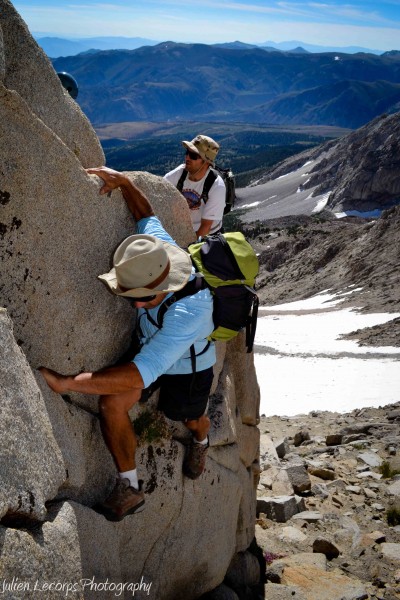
{"type": "Point", "coordinates": [205, 146]}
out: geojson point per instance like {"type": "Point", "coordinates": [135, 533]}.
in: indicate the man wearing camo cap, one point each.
{"type": "Point", "coordinates": [190, 177]}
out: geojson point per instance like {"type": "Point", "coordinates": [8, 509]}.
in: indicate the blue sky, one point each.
{"type": "Point", "coordinates": [374, 25]}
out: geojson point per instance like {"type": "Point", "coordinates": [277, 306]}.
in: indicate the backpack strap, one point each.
{"type": "Point", "coordinates": [210, 179]}
{"type": "Point", "coordinates": [191, 288]}
{"type": "Point", "coordinates": [179, 185]}
{"type": "Point", "coordinates": [251, 323]}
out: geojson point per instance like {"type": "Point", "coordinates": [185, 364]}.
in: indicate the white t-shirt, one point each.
{"type": "Point", "coordinates": [213, 210]}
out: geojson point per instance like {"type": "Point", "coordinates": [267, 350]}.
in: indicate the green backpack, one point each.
{"type": "Point", "coordinates": [228, 266]}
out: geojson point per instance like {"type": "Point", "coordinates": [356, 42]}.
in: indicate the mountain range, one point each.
{"type": "Point", "coordinates": [329, 218]}
{"type": "Point", "coordinates": [56, 46]}
{"type": "Point", "coordinates": [172, 81]}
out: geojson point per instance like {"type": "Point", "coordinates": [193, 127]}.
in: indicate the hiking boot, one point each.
{"type": "Point", "coordinates": [124, 500]}
{"type": "Point", "coordinates": [195, 459]}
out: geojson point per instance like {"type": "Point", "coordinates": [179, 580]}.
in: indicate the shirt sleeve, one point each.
{"type": "Point", "coordinates": [153, 226]}
{"type": "Point", "coordinates": [214, 208]}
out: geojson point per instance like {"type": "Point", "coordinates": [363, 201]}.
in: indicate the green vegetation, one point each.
{"type": "Point", "coordinates": [150, 426]}
{"type": "Point", "coordinates": [249, 150]}
{"type": "Point", "coordinates": [294, 229]}
{"type": "Point", "coordinates": [232, 221]}
{"type": "Point", "coordinates": [386, 470]}
{"type": "Point", "coordinates": [393, 517]}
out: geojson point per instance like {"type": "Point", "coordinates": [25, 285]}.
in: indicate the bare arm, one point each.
{"type": "Point", "coordinates": [136, 201]}
{"type": "Point", "coordinates": [113, 380]}
{"type": "Point", "coordinates": [204, 228]}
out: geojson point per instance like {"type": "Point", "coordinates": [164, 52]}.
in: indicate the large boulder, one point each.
{"type": "Point", "coordinates": [25, 68]}
{"type": "Point", "coordinates": [57, 234]}
{"type": "Point", "coordinates": [31, 464]}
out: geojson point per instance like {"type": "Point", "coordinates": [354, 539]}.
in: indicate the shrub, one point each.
{"type": "Point", "coordinates": [386, 470]}
{"type": "Point", "coordinates": [150, 426]}
{"type": "Point", "coordinates": [393, 517]}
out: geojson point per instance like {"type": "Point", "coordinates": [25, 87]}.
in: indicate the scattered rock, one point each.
{"type": "Point", "coordinates": [324, 546]}
{"type": "Point", "coordinates": [299, 478]}
{"type": "Point", "coordinates": [282, 448]}
{"type": "Point", "coordinates": [334, 439]}
{"type": "Point", "coordinates": [280, 508]}
{"type": "Point", "coordinates": [322, 472]}
{"type": "Point", "coordinates": [301, 436]}
{"type": "Point", "coordinates": [345, 516]}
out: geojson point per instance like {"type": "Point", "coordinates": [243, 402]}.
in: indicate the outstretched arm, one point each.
{"type": "Point", "coordinates": [136, 201]}
{"type": "Point", "coordinates": [113, 380]}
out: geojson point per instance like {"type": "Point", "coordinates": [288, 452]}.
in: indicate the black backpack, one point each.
{"type": "Point", "coordinates": [229, 180]}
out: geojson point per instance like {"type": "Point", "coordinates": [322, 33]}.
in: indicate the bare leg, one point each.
{"type": "Point", "coordinates": [199, 427]}
{"type": "Point", "coordinates": [195, 455]}
{"type": "Point", "coordinates": [117, 429]}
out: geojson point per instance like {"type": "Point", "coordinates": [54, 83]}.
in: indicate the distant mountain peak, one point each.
{"type": "Point", "coordinates": [299, 50]}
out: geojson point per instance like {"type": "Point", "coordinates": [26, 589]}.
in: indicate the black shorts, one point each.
{"type": "Point", "coordinates": [182, 396]}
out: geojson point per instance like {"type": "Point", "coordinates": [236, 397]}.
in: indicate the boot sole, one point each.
{"type": "Point", "coordinates": [115, 518]}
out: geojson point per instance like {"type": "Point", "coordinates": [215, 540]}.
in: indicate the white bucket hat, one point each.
{"type": "Point", "coordinates": [145, 265]}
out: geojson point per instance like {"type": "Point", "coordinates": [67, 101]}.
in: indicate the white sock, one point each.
{"type": "Point", "coordinates": [132, 476]}
{"type": "Point", "coordinates": [203, 442]}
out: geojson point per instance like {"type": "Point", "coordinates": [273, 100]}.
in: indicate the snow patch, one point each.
{"type": "Point", "coordinates": [319, 333]}
{"type": "Point", "coordinates": [290, 386]}
{"type": "Point", "coordinates": [374, 214]}
{"type": "Point", "coordinates": [303, 365]}
{"type": "Point", "coordinates": [322, 203]}
{"type": "Point", "coordinates": [250, 205]}
{"type": "Point", "coordinates": [319, 301]}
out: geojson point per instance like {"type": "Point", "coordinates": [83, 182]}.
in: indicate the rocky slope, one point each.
{"type": "Point", "coordinates": [302, 256]}
{"type": "Point", "coordinates": [359, 170]}
{"type": "Point", "coordinates": [329, 505]}
{"type": "Point", "coordinates": [329, 491]}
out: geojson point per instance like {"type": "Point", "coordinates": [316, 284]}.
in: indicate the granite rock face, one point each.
{"type": "Point", "coordinates": [57, 234]}
{"type": "Point", "coordinates": [51, 205]}
{"type": "Point", "coordinates": [363, 167]}
{"type": "Point", "coordinates": [31, 463]}
{"type": "Point", "coordinates": [25, 68]}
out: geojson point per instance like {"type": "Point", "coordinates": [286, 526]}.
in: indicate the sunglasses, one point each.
{"type": "Point", "coordinates": [192, 155]}
{"type": "Point", "coordinates": [144, 299]}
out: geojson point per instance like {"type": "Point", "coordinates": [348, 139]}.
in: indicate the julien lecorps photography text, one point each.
{"type": "Point", "coordinates": [71, 589]}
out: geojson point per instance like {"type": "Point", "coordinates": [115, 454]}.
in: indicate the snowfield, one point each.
{"type": "Point", "coordinates": [302, 365]}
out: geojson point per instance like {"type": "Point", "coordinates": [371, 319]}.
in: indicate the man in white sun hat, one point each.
{"type": "Point", "coordinates": [202, 187]}
{"type": "Point", "coordinates": [176, 358]}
